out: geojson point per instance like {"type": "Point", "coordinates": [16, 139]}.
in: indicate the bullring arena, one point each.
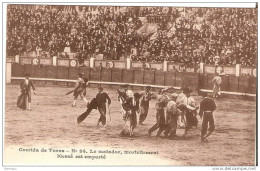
{"type": "Point", "coordinates": [48, 134]}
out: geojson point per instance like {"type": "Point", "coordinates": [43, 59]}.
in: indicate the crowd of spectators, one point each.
{"type": "Point", "coordinates": [223, 36]}
{"type": "Point", "coordinates": [58, 29]}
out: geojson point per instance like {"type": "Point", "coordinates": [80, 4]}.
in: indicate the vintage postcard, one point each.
{"type": "Point", "coordinates": [121, 84]}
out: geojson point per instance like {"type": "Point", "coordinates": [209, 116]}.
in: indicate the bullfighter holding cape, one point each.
{"type": "Point", "coordinates": [25, 96]}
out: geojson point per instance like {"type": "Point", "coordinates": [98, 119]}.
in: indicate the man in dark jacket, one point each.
{"type": "Point", "coordinates": [102, 97]}
{"type": "Point", "coordinates": [144, 104]}
{"type": "Point", "coordinates": [25, 87]}
{"type": "Point", "coordinates": [207, 106]}
{"type": "Point", "coordinates": [97, 103]}
{"type": "Point", "coordinates": [161, 103]}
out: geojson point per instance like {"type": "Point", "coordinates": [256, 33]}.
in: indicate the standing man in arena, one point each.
{"type": "Point", "coordinates": [187, 107]}
{"type": "Point", "coordinates": [217, 80]}
{"type": "Point", "coordinates": [134, 111]}
{"type": "Point", "coordinates": [144, 104]}
{"type": "Point", "coordinates": [101, 98]}
{"type": "Point", "coordinates": [84, 86]}
{"type": "Point", "coordinates": [25, 96]}
{"type": "Point", "coordinates": [161, 103]}
{"type": "Point", "coordinates": [207, 106]}
{"type": "Point", "coordinates": [191, 112]}
{"type": "Point", "coordinates": [129, 95]}
{"type": "Point", "coordinates": [171, 117]}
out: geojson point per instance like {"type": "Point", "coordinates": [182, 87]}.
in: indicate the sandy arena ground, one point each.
{"type": "Point", "coordinates": [52, 124]}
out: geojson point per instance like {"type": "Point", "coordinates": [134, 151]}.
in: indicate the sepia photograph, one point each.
{"type": "Point", "coordinates": [122, 84]}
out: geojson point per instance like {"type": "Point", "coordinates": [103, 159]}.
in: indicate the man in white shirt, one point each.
{"type": "Point", "coordinates": [171, 117]}
{"type": "Point", "coordinates": [188, 109]}
{"type": "Point", "coordinates": [217, 80]}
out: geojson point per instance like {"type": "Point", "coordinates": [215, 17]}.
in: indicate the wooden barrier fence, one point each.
{"type": "Point", "coordinates": [157, 78]}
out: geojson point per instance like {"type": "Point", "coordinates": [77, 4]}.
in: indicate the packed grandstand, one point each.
{"type": "Point", "coordinates": [224, 36]}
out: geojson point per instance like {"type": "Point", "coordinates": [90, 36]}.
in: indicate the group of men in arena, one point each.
{"type": "Point", "coordinates": [171, 110]}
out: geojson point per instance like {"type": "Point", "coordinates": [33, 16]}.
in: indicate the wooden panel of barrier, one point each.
{"type": "Point", "coordinates": [73, 72]}
{"type": "Point", "coordinates": [233, 85]}
{"type": "Point", "coordinates": [170, 78]}
{"type": "Point", "coordinates": [179, 76]}
{"type": "Point", "coordinates": [106, 74]}
{"type": "Point", "coordinates": [39, 72]}
{"type": "Point", "coordinates": [116, 75]}
{"type": "Point", "coordinates": [128, 76]}
{"type": "Point", "coordinates": [203, 81]}
{"type": "Point", "coordinates": [243, 84]}
{"type": "Point", "coordinates": [138, 77]}
{"type": "Point", "coordinates": [252, 84]}
{"type": "Point", "coordinates": [17, 70]}
{"type": "Point", "coordinates": [95, 74]}
{"type": "Point", "coordinates": [149, 77]}
{"type": "Point", "coordinates": [29, 69]}
{"type": "Point", "coordinates": [62, 73]}
{"type": "Point", "coordinates": [51, 72]}
{"type": "Point", "coordinates": [209, 81]}
{"type": "Point", "coordinates": [159, 78]}
{"type": "Point", "coordinates": [190, 80]}
{"type": "Point", "coordinates": [225, 83]}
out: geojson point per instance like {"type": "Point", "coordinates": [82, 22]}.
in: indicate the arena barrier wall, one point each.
{"type": "Point", "coordinates": [236, 70]}
{"type": "Point", "coordinates": [60, 75]}
{"type": "Point", "coordinates": [149, 77]}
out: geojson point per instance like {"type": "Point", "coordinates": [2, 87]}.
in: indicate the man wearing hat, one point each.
{"type": "Point", "coordinates": [190, 111]}
{"type": "Point", "coordinates": [25, 87]}
{"type": "Point", "coordinates": [132, 116]}
{"type": "Point", "coordinates": [171, 117]}
{"type": "Point", "coordinates": [161, 103]}
{"type": "Point", "coordinates": [144, 104]}
{"type": "Point", "coordinates": [101, 98]}
{"type": "Point", "coordinates": [207, 106]}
